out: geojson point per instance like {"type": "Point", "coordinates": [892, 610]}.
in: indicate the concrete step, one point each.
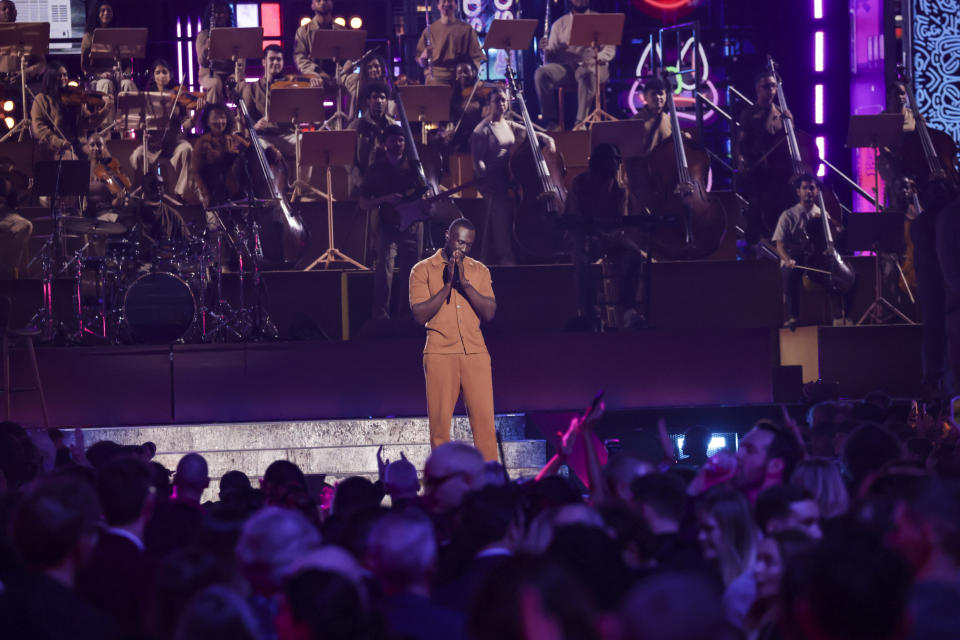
{"type": "Point", "coordinates": [295, 435]}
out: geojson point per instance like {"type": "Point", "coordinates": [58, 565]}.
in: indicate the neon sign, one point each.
{"type": "Point", "coordinates": [684, 96]}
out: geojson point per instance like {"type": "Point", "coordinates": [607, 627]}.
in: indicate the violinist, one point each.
{"type": "Point", "coordinates": [794, 247]}
{"type": "Point", "coordinates": [466, 106]}
{"type": "Point", "coordinates": [165, 141]}
{"type": "Point", "coordinates": [570, 66]}
{"type": "Point", "coordinates": [278, 139]}
{"type": "Point", "coordinates": [449, 39]}
{"type": "Point", "coordinates": [322, 71]}
{"type": "Point", "coordinates": [370, 128]}
{"type": "Point", "coordinates": [389, 181]}
{"type": "Point", "coordinates": [492, 143]}
{"type": "Point", "coordinates": [60, 124]}
{"type": "Point", "coordinates": [215, 75]}
{"type": "Point", "coordinates": [10, 65]}
{"type": "Point", "coordinates": [215, 156]}
{"type": "Point", "coordinates": [101, 70]}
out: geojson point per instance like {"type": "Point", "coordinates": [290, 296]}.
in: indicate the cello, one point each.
{"type": "Point", "coordinates": [539, 176]}
{"type": "Point", "coordinates": [824, 255]}
{"type": "Point", "coordinates": [690, 224]}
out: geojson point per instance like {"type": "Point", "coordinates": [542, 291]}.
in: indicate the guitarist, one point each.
{"type": "Point", "coordinates": [389, 180]}
{"type": "Point", "coordinates": [794, 247]}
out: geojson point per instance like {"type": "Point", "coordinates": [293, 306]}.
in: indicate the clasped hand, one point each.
{"type": "Point", "coordinates": [454, 267]}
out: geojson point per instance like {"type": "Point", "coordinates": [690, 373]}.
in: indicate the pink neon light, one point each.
{"type": "Point", "coordinates": [818, 51]}
{"type": "Point", "coordinates": [817, 9]}
{"type": "Point", "coordinates": [818, 103]}
{"type": "Point", "coordinates": [270, 19]}
{"type": "Point", "coordinates": [179, 51]}
{"type": "Point", "coordinates": [822, 150]}
{"type": "Point", "coordinates": [190, 52]}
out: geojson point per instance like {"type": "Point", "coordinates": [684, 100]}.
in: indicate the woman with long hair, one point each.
{"type": "Point", "coordinates": [101, 71]}
{"type": "Point", "coordinates": [491, 145]}
{"type": "Point", "coordinates": [822, 478]}
{"type": "Point", "coordinates": [214, 74]}
{"type": "Point", "coordinates": [60, 129]}
{"type": "Point", "coordinates": [373, 69]}
{"type": "Point", "coordinates": [773, 554]}
{"type": "Point", "coordinates": [214, 157]}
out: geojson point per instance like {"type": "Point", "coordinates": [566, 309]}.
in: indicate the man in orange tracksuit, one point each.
{"type": "Point", "coordinates": [450, 294]}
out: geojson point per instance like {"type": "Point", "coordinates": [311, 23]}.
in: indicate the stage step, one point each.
{"type": "Point", "coordinates": [337, 448]}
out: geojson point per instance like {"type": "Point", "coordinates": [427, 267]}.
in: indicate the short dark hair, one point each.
{"type": "Point", "coordinates": [283, 473]}
{"type": "Point", "coordinates": [327, 603]}
{"type": "Point", "coordinates": [774, 502]}
{"type": "Point", "coordinates": [760, 75]}
{"type": "Point", "coordinates": [867, 449]}
{"type": "Point", "coordinates": [663, 492]}
{"type": "Point", "coordinates": [783, 446]}
{"type": "Point", "coordinates": [272, 48]}
{"type": "Point", "coordinates": [394, 130]}
{"type": "Point", "coordinates": [52, 519]}
{"type": "Point", "coordinates": [605, 158]}
{"type": "Point", "coordinates": [372, 87]}
{"type": "Point", "coordinates": [806, 176]}
{"type": "Point", "coordinates": [461, 222]}
{"type": "Point", "coordinates": [123, 485]}
{"type": "Point", "coordinates": [655, 84]}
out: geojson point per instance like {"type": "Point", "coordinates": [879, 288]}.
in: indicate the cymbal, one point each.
{"type": "Point", "coordinates": [79, 224]}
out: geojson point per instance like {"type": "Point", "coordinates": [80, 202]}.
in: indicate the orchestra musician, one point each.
{"type": "Point", "coordinates": [164, 132]}
{"type": "Point", "coordinates": [466, 105]}
{"type": "Point", "coordinates": [594, 197]}
{"type": "Point", "coordinates": [374, 69]}
{"type": "Point", "coordinates": [102, 70]}
{"type": "Point", "coordinates": [570, 66]}
{"type": "Point", "coordinates": [278, 139]}
{"type": "Point", "coordinates": [794, 247]}
{"type": "Point", "coordinates": [450, 39]}
{"type": "Point", "coordinates": [657, 129]}
{"type": "Point", "coordinates": [491, 145]}
{"type": "Point", "coordinates": [322, 71]}
{"type": "Point", "coordinates": [214, 75]}
{"type": "Point", "coordinates": [214, 157]}
{"type": "Point", "coordinates": [60, 128]}
{"type": "Point", "coordinates": [15, 231]}
{"type": "Point", "coordinates": [390, 180]}
{"type": "Point", "coordinates": [10, 65]}
{"type": "Point", "coordinates": [370, 130]}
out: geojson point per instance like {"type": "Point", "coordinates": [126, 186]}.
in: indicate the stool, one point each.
{"type": "Point", "coordinates": [12, 335]}
{"type": "Point", "coordinates": [561, 96]}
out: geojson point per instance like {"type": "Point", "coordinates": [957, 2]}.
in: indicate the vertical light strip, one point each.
{"type": "Point", "coordinates": [179, 51]}
{"type": "Point", "coordinates": [189, 44]}
{"type": "Point", "coordinates": [818, 104]}
{"type": "Point", "coordinates": [818, 9]}
{"type": "Point", "coordinates": [818, 51]}
{"type": "Point", "coordinates": [822, 150]}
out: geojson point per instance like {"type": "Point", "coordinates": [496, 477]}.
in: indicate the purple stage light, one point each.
{"type": "Point", "coordinates": [818, 55]}
{"type": "Point", "coordinates": [818, 9]}
{"type": "Point", "coordinates": [818, 103]}
{"type": "Point", "coordinates": [822, 152]}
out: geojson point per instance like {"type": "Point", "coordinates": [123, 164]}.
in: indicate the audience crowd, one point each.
{"type": "Point", "coordinates": [843, 525]}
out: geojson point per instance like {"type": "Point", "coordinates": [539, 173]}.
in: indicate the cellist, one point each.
{"type": "Point", "coordinates": [278, 139]}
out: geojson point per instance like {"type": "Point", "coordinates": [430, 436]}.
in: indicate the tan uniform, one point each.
{"type": "Point", "coordinates": [451, 41]}
{"type": "Point", "coordinates": [48, 122]}
{"type": "Point", "coordinates": [455, 356]}
{"type": "Point", "coordinates": [303, 41]}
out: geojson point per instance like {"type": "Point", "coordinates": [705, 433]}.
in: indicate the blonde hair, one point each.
{"type": "Point", "coordinates": [821, 477]}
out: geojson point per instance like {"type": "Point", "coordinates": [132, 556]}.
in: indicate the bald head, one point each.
{"type": "Point", "coordinates": [191, 477]}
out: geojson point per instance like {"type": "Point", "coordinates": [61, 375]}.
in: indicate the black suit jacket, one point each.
{"type": "Point", "coordinates": [119, 579]}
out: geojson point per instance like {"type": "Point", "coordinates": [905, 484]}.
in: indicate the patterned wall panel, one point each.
{"type": "Point", "coordinates": [936, 62]}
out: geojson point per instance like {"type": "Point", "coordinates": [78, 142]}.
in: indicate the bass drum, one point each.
{"type": "Point", "coordinates": [158, 308]}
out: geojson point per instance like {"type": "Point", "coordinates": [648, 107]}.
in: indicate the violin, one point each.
{"type": "Point", "coordinates": [75, 96]}
{"type": "Point", "coordinates": [186, 99]}
{"type": "Point", "coordinates": [108, 171]}
{"type": "Point", "coordinates": [293, 82]}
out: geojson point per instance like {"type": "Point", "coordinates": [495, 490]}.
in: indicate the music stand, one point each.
{"type": "Point", "coordinates": [339, 45]}
{"type": "Point", "coordinates": [596, 30]}
{"type": "Point", "coordinates": [878, 232]}
{"type": "Point", "coordinates": [23, 39]}
{"type": "Point", "coordinates": [236, 44]}
{"type": "Point", "coordinates": [875, 132]}
{"type": "Point", "coordinates": [119, 43]}
{"type": "Point", "coordinates": [325, 149]}
{"type": "Point", "coordinates": [297, 106]}
{"type": "Point", "coordinates": [427, 103]}
{"type": "Point", "coordinates": [510, 35]}
{"type": "Point", "coordinates": [627, 135]}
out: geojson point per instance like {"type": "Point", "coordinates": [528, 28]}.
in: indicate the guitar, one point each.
{"type": "Point", "coordinates": [404, 215]}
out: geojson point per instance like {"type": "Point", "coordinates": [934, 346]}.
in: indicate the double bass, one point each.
{"type": "Point", "coordinates": [823, 254]}
{"type": "Point", "coordinates": [539, 175]}
{"type": "Point", "coordinates": [690, 223]}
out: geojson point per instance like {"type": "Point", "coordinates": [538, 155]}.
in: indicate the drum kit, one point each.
{"type": "Point", "coordinates": [132, 285]}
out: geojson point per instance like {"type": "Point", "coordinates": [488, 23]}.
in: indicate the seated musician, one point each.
{"type": "Point", "coordinates": [596, 197]}
{"type": "Point", "coordinates": [165, 141]}
{"type": "Point", "coordinates": [214, 157]}
{"type": "Point", "coordinates": [570, 66]}
{"type": "Point", "coordinates": [374, 69]}
{"type": "Point", "coordinates": [15, 231]}
{"type": "Point", "coordinates": [657, 129]}
{"type": "Point", "coordinates": [60, 129]}
{"type": "Point", "coordinates": [450, 39]}
{"type": "Point", "coordinates": [794, 248]}
{"type": "Point", "coordinates": [322, 71]}
{"type": "Point", "coordinates": [10, 65]}
{"type": "Point", "coordinates": [466, 105]}
{"type": "Point", "coordinates": [215, 75]}
{"type": "Point", "coordinates": [390, 180]}
{"type": "Point", "coordinates": [278, 139]}
{"type": "Point", "coordinates": [370, 128]}
{"type": "Point", "coordinates": [492, 144]}
{"type": "Point", "coordinates": [102, 70]}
